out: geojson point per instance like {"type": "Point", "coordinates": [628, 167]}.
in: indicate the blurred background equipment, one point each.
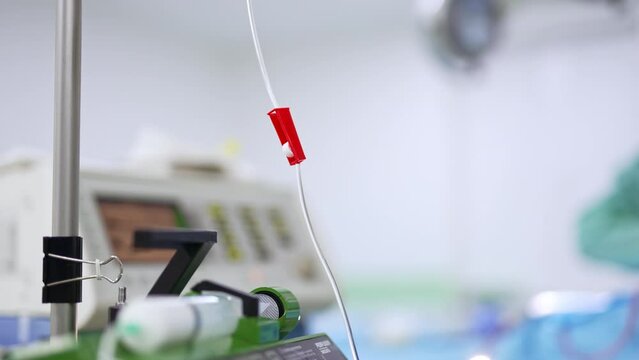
{"type": "Point", "coordinates": [261, 232]}
{"type": "Point", "coordinates": [461, 33]}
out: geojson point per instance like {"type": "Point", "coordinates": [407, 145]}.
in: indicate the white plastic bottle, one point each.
{"type": "Point", "coordinates": [147, 325]}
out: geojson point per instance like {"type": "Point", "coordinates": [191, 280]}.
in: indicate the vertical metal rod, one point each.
{"type": "Point", "coordinates": [66, 152]}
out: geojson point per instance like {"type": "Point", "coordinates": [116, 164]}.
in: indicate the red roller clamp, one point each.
{"type": "Point", "coordinates": [285, 128]}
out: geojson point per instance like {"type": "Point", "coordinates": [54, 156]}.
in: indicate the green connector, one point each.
{"type": "Point", "coordinates": [290, 317]}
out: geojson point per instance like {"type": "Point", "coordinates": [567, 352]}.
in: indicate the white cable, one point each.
{"type": "Point", "coordinates": [300, 187]}
{"type": "Point", "coordinates": [327, 269]}
{"type": "Point", "coordinates": [260, 58]}
{"type": "Point", "coordinates": [108, 345]}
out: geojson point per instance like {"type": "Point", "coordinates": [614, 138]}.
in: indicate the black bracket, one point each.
{"type": "Point", "coordinates": [250, 302]}
{"type": "Point", "coordinates": [60, 277]}
{"type": "Point", "coordinates": [191, 246]}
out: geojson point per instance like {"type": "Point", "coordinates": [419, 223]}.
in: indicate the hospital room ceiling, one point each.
{"type": "Point", "coordinates": [224, 22]}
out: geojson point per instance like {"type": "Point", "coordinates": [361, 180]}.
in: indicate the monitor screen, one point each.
{"type": "Point", "coordinates": [122, 217]}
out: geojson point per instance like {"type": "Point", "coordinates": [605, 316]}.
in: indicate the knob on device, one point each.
{"type": "Point", "coordinates": [279, 304]}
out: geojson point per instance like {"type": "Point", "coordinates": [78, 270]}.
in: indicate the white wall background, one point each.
{"type": "Point", "coordinates": [412, 169]}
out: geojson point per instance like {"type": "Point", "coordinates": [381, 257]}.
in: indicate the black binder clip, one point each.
{"type": "Point", "coordinates": [62, 269]}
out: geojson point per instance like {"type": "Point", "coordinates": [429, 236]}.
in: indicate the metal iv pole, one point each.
{"type": "Point", "coordinates": [66, 158]}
